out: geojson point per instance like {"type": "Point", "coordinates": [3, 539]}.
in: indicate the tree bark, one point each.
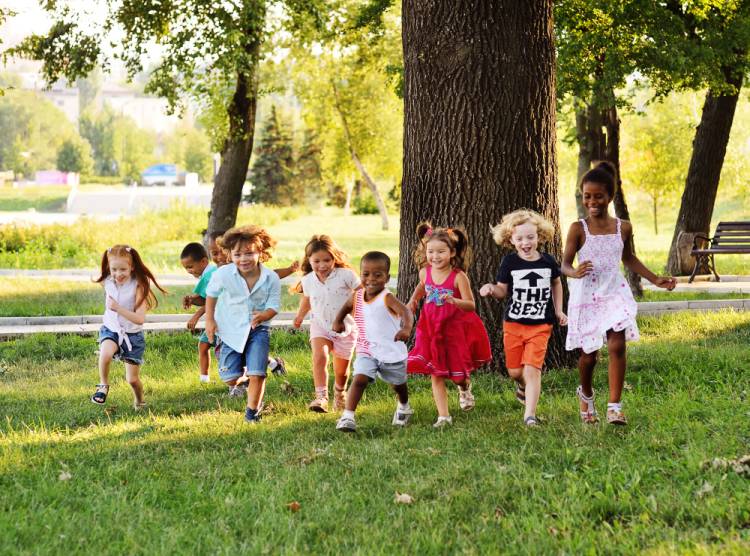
{"type": "Point", "coordinates": [479, 132]}
{"type": "Point", "coordinates": [612, 153]}
{"type": "Point", "coordinates": [704, 172]}
{"type": "Point", "coordinates": [235, 155]}
{"type": "Point", "coordinates": [358, 163]}
{"type": "Point", "coordinates": [591, 142]}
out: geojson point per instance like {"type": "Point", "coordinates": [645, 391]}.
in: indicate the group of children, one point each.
{"type": "Point", "coordinates": [352, 314]}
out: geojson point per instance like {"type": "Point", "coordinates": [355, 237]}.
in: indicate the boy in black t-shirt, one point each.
{"type": "Point", "coordinates": [531, 281]}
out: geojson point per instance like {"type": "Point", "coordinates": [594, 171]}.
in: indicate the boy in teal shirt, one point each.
{"type": "Point", "coordinates": [194, 259]}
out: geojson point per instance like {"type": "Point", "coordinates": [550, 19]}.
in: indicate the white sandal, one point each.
{"type": "Point", "coordinates": [589, 416]}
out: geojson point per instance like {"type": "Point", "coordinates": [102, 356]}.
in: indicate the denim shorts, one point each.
{"type": "Point", "coordinates": [392, 373]}
{"type": "Point", "coordinates": [204, 339]}
{"type": "Point", "coordinates": [254, 358]}
{"type": "Point", "coordinates": [134, 356]}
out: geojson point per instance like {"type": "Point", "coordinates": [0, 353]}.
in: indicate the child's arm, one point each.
{"type": "Point", "coordinates": [346, 309]}
{"type": "Point", "coordinates": [419, 292]}
{"type": "Point", "coordinates": [633, 263]}
{"type": "Point", "coordinates": [210, 321]}
{"type": "Point", "coordinates": [466, 303]}
{"type": "Point", "coordinates": [557, 299]}
{"type": "Point", "coordinates": [136, 317]}
{"type": "Point", "coordinates": [404, 313]}
{"type": "Point", "coordinates": [304, 308]}
{"type": "Point", "coordinates": [291, 269]}
{"type": "Point", "coordinates": [573, 243]}
{"type": "Point", "coordinates": [196, 317]}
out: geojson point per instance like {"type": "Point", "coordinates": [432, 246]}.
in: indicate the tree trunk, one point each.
{"type": "Point", "coordinates": [704, 172]}
{"type": "Point", "coordinates": [656, 222]}
{"type": "Point", "coordinates": [358, 163]}
{"type": "Point", "coordinates": [479, 132]}
{"type": "Point", "coordinates": [612, 153]}
{"type": "Point", "coordinates": [591, 142]}
{"type": "Point", "coordinates": [235, 155]}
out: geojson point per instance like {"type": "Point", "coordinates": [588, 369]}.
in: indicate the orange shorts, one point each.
{"type": "Point", "coordinates": [525, 344]}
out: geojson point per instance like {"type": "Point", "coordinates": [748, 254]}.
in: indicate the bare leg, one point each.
{"type": "Point", "coordinates": [132, 374]}
{"type": "Point", "coordinates": [321, 349]}
{"type": "Point", "coordinates": [586, 364]}
{"type": "Point", "coordinates": [256, 388]}
{"type": "Point", "coordinates": [340, 372]}
{"type": "Point", "coordinates": [356, 389]}
{"type": "Point", "coordinates": [204, 357]}
{"type": "Point", "coordinates": [107, 350]}
{"type": "Point", "coordinates": [402, 391]}
{"type": "Point", "coordinates": [533, 379]}
{"type": "Point", "coordinates": [616, 349]}
{"type": "Point", "coordinates": [440, 394]}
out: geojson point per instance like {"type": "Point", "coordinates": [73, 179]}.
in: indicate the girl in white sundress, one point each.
{"type": "Point", "coordinates": [601, 305]}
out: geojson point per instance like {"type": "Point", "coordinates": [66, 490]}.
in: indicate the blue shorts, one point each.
{"type": "Point", "coordinates": [204, 339]}
{"type": "Point", "coordinates": [254, 358]}
{"type": "Point", "coordinates": [134, 356]}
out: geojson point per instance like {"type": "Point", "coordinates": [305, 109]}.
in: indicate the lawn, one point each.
{"type": "Point", "coordinates": [189, 477]}
{"type": "Point", "coordinates": [41, 199]}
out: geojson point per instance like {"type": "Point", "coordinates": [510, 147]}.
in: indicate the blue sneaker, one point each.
{"type": "Point", "coordinates": [252, 416]}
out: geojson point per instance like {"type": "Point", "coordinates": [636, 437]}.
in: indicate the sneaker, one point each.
{"type": "Point", "coordinates": [615, 417]}
{"type": "Point", "coordinates": [443, 422]}
{"type": "Point", "coordinates": [204, 378]}
{"type": "Point", "coordinates": [466, 399]}
{"type": "Point", "coordinates": [237, 391]}
{"type": "Point", "coordinates": [346, 424]}
{"type": "Point", "coordinates": [280, 368]}
{"type": "Point", "coordinates": [339, 400]}
{"type": "Point", "coordinates": [319, 404]}
{"type": "Point", "coordinates": [252, 416]}
{"type": "Point", "coordinates": [139, 406]}
{"type": "Point", "coordinates": [401, 417]}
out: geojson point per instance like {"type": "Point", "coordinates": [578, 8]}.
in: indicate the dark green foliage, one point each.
{"type": "Point", "coordinates": [74, 156]}
{"type": "Point", "coordinates": [272, 171]}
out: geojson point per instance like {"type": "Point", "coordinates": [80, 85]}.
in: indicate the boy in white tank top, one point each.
{"type": "Point", "coordinates": [384, 323]}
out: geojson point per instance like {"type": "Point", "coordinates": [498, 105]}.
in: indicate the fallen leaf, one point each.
{"type": "Point", "coordinates": [403, 498]}
{"type": "Point", "coordinates": [294, 506]}
{"type": "Point", "coordinates": [499, 513]}
{"type": "Point", "coordinates": [707, 488]}
{"type": "Point", "coordinates": [287, 388]}
{"type": "Point", "coordinates": [64, 476]}
{"type": "Point", "coordinates": [554, 532]}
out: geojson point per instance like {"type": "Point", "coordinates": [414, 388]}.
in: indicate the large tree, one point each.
{"type": "Point", "coordinates": [479, 129]}
{"type": "Point", "coordinates": [209, 53]}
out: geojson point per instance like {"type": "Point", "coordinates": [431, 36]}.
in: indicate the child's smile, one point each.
{"type": "Point", "coordinates": [595, 199]}
{"type": "Point", "coordinates": [120, 269]}
{"type": "Point", "coordinates": [374, 276]}
{"type": "Point", "coordinates": [439, 254]}
{"type": "Point", "coordinates": [525, 239]}
{"type": "Point", "coordinates": [246, 257]}
{"type": "Point", "coordinates": [322, 263]}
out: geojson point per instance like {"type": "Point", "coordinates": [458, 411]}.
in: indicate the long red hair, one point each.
{"type": "Point", "coordinates": [143, 276]}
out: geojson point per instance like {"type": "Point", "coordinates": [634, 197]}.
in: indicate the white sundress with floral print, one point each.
{"type": "Point", "coordinates": [601, 300]}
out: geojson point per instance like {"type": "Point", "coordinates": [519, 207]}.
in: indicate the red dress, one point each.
{"type": "Point", "coordinates": [450, 342]}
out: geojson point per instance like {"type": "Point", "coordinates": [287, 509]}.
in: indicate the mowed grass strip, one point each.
{"type": "Point", "coordinates": [190, 476]}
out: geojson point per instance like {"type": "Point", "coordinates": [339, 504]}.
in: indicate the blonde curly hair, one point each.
{"type": "Point", "coordinates": [504, 231]}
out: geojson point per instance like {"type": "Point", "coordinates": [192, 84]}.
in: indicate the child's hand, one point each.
{"type": "Point", "coordinates": [257, 319]}
{"type": "Point", "coordinates": [294, 267]}
{"type": "Point", "coordinates": [413, 304]}
{"type": "Point", "coordinates": [193, 321]}
{"type": "Point", "coordinates": [448, 299]}
{"type": "Point", "coordinates": [297, 323]}
{"type": "Point", "coordinates": [562, 318]}
{"type": "Point", "coordinates": [668, 283]}
{"type": "Point", "coordinates": [338, 326]}
{"type": "Point", "coordinates": [487, 289]}
{"type": "Point", "coordinates": [583, 269]}
{"type": "Point", "coordinates": [112, 305]}
{"type": "Point", "coordinates": [187, 301]}
{"type": "Point", "coordinates": [210, 329]}
{"type": "Point", "coordinates": [403, 335]}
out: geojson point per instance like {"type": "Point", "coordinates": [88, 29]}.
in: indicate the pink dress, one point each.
{"type": "Point", "coordinates": [449, 342]}
{"type": "Point", "coordinates": [601, 300]}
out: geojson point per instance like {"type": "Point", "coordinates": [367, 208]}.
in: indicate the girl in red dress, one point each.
{"type": "Point", "coordinates": [451, 340]}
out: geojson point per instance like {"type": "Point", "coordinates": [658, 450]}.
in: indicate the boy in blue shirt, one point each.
{"type": "Point", "coordinates": [241, 298]}
{"type": "Point", "coordinates": [194, 259]}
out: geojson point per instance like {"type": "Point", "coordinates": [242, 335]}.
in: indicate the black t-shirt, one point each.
{"type": "Point", "coordinates": [529, 299]}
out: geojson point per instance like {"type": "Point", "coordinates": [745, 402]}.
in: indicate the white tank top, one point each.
{"type": "Point", "coordinates": [377, 329]}
{"type": "Point", "coordinates": [125, 296]}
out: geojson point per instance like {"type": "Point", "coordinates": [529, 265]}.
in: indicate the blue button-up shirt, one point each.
{"type": "Point", "coordinates": [236, 303]}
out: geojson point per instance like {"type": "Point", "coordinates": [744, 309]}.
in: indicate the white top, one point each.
{"type": "Point", "coordinates": [327, 298]}
{"type": "Point", "coordinates": [377, 329]}
{"type": "Point", "coordinates": [125, 296]}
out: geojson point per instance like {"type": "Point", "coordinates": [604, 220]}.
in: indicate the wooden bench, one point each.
{"type": "Point", "coordinates": [730, 238]}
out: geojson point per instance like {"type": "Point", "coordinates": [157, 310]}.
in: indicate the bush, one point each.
{"type": "Point", "coordinates": [102, 180]}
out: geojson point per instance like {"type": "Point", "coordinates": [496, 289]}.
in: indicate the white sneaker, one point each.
{"type": "Point", "coordinates": [443, 422]}
{"type": "Point", "coordinates": [465, 399]}
{"type": "Point", "coordinates": [346, 424]}
{"type": "Point", "coordinates": [204, 378]}
{"type": "Point", "coordinates": [402, 416]}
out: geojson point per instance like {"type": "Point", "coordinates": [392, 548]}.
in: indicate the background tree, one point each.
{"type": "Point", "coordinates": [98, 128]}
{"type": "Point", "coordinates": [488, 146]}
{"type": "Point", "coordinates": [273, 166]}
{"type": "Point", "coordinates": [190, 149]}
{"type": "Point", "coordinates": [74, 155]}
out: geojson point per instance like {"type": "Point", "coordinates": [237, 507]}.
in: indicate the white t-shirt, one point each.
{"type": "Point", "coordinates": [327, 298]}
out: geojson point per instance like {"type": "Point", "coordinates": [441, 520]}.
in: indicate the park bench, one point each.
{"type": "Point", "coordinates": [730, 238]}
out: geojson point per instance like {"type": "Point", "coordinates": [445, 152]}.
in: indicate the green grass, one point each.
{"type": "Point", "coordinates": [663, 295]}
{"type": "Point", "coordinates": [41, 199]}
{"type": "Point", "coordinates": [190, 477]}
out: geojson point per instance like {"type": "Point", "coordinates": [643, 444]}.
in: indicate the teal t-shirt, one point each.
{"type": "Point", "coordinates": [200, 287]}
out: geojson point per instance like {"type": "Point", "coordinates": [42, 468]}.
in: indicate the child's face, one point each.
{"type": "Point", "coordinates": [121, 268]}
{"type": "Point", "coordinates": [526, 240]}
{"type": "Point", "coordinates": [374, 276]}
{"type": "Point", "coordinates": [322, 263]}
{"type": "Point", "coordinates": [193, 267]}
{"type": "Point", "coordinates": [245, 256]}
{"type": "Point", "coordinates": [439, 254]}
{"type": "Point", "coordinates": [596, 198]}
{"type": "Point", "coordinates": [218, 255]}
